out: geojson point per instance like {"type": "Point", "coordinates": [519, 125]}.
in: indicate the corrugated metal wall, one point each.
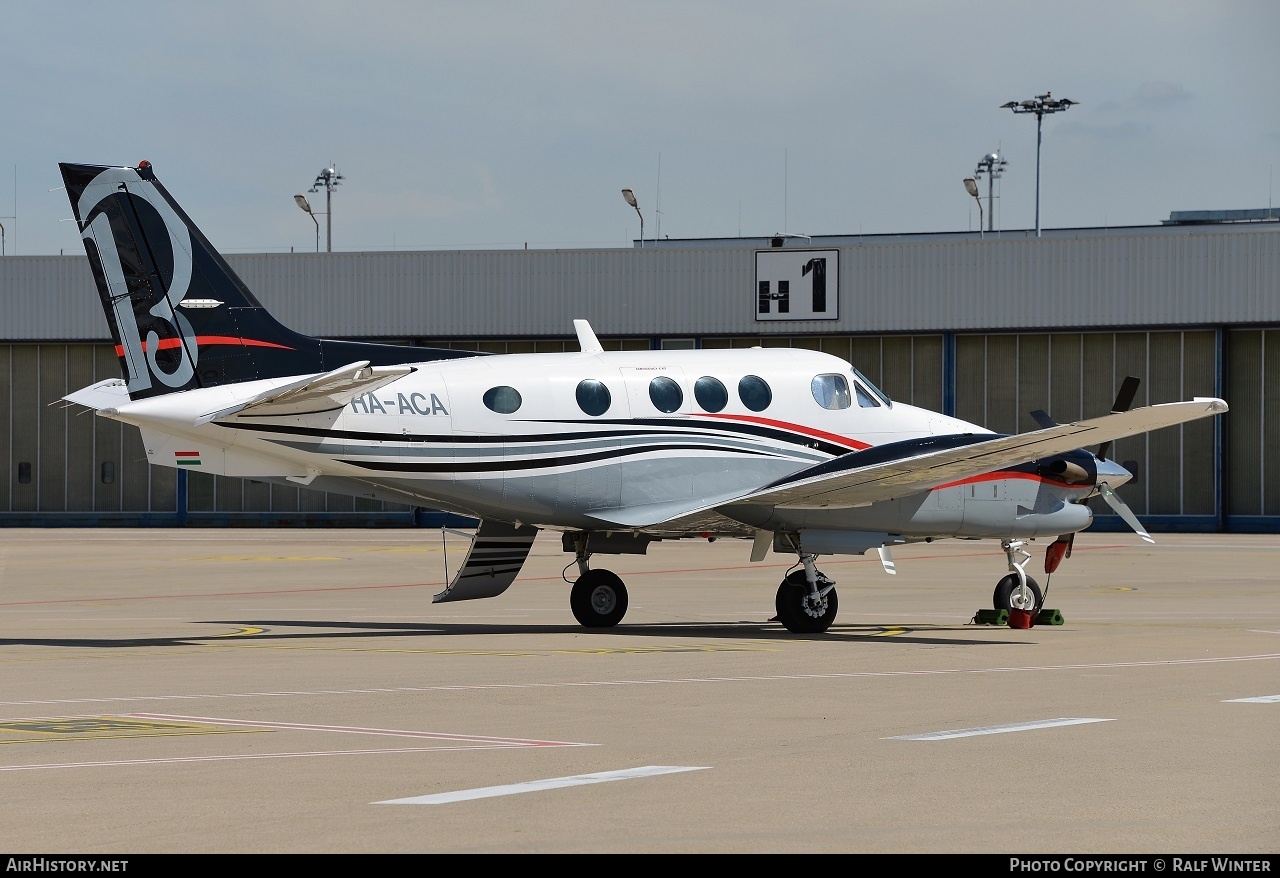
{"type": "Point", "coordinates": [1174, 276]}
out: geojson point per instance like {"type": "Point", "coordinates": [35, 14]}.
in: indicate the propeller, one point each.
{"type": "Point", "coordinates": [1061, 547]}
{"type": "Point", "coordinates": [1124, 399]}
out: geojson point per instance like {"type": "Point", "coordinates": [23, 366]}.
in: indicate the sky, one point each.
{"type": "Point", "coordinates": [504, 124]}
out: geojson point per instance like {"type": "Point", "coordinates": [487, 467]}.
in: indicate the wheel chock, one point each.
{"type": "Point", "coordinates": [991, 617]}
{"type": "Point", "coordinates": [1049, 617]}
{"type": "Point", "coordinates": [1021, 619]}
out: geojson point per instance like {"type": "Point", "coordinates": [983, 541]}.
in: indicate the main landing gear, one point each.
{"type": "Point", "coordinates": [599, 597]}
{"type": "Point", "coordinates": [1017, 590]}
{"type": "Point", "coordinates": [806, 600]}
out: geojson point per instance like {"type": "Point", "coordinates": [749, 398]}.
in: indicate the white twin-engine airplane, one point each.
{"type": "Point", "coordinates": [792, 449]}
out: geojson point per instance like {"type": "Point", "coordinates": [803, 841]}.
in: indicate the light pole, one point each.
{"type": "Point", "coordinates": [631, 200]}
{"type": "Point", "coordinates": [1, 239]}
{"type": "Point", "coordinates": [971, 186]}
{"type": "Point", "coordinates": [1040, 105]}
{"type": "Point", "coordinates": [306, 205]}
{"type": "Point", "coordinates": [993, 166]}
{"type": "Point", "coordinates": [329, 178]}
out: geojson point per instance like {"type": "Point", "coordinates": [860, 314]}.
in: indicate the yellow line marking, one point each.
{"type": "Point", "coordinates": [103, 728]}
{"type": "Point", "coordinates": [889, 632]}
{"type": "Point", "coordinates": [243, 632]}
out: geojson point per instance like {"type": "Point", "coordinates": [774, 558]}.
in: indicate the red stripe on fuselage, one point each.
{"type": "Point", "coordinates": [1003, 474]}
{"type": "Point", "coordinates": [207, 340]}
{"type": "Point", "coordinates": [796, 428]}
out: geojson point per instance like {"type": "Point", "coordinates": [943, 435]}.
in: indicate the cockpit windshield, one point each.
{"type": "Point", "coordinates": [869, 396]}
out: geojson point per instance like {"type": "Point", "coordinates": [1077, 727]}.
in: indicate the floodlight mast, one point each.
{"type": "Point", "coordinates": [329, 178]}
{"type": "Point", "coordinates": [993, 166]}
{"type": "Point", "coordinates": [1040, 105]}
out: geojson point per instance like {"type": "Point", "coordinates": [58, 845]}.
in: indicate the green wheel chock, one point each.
{"type": "Point", "coordinates": [1049, 617]}
{"type": "Point", "coordinates": [991, 617]}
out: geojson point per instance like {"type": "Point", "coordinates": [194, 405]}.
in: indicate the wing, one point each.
{"type": "Point", "coordinates": [884, 472]}
{"type": "Point", "coordinates": [318, 393]}
{"type": "Point", "coordinates": [859, 478]}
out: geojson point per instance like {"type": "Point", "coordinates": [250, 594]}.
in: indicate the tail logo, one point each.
{"type": "Point", "coordinates": [140, 357]}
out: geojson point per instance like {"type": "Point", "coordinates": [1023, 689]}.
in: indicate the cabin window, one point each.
{"type": "Point", "coordinates": [710, 394]}
{"type": "Point", "coordinates": [593, 397]}
{"type": "Point", "coordinates": [503, 400]}
{"type": "Point", "coordinates": [754, 393]}
{"type": "Point", "coordinates": [831, 391]}
{"type": "Point", "coordinates": [665, 394]}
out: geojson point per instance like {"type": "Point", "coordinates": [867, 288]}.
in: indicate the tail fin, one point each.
{"type": "Point", "coordinates": [179, 315]}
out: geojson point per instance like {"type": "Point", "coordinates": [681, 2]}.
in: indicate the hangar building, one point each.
{"type": "Point", "coordinates": [987, 326]}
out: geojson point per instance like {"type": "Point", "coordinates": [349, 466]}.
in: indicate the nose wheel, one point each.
{"type": "Point", "coordinates": [1010, 596]}
{"type": "Point", "coordinates": [1017, 590]}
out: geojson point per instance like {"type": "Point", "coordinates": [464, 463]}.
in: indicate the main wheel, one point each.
{"type": "Point", "coordinates": [1008, 596]}
{"type": "Point", "coordinates": [797, 613]}
{"type": "Point", "coordinates": [598, 599]}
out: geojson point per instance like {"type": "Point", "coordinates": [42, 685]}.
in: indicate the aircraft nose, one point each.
{"type": "Point", "coordinates": [1112, 473]}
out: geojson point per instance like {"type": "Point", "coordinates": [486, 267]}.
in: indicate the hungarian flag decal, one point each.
{"type": "Point", "coordinates": [186, 458]}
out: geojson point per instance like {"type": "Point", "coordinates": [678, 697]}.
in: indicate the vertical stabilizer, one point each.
{"type": "Point", "coordinates": [180, 317]}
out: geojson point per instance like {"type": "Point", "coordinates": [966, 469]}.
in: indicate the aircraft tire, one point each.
{"type": "Point", "coordinates": [792, 613]}
{"type": "Point", "coordinates": [598, 599]}
{"type": "Point", "coordinates": [1005, 596]}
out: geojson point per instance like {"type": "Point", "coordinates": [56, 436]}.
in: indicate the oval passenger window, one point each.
{"type": "Point", "coordinates": [710, 394]}
{"type": "Point", "coordinates": [503, 400]}
{"type": "Point", "coordinates": [665, 394]}
{"type": "Point", "coordinates": [754, 393]}
{"type": "Point", "coordinates": [593, 397]}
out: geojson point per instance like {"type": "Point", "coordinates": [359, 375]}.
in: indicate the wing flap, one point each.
{"type": "Point", "coordinates": [317, 393]}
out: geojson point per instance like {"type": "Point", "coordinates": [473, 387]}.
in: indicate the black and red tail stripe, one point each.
{"type": "Point", "coordinates": [180, 316]}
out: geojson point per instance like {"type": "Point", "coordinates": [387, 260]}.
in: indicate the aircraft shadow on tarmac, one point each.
{"type": "Point", "coordinates": [309, 630]}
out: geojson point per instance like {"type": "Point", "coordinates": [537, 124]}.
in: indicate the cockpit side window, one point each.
{"type": "Point", "coordinates": [831, 391]}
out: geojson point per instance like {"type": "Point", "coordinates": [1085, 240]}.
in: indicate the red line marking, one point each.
{"type": "Point", "coordinates": [856, 444]}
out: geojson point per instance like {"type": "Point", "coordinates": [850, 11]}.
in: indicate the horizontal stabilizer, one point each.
{"type": "Point", "coordinates": [318, 393]}
{"type": "Point", "coordinates": [107, 394]}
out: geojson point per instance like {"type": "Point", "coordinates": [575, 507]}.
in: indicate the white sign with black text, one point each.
{"type": "Point", "coordinates": [797, 284]}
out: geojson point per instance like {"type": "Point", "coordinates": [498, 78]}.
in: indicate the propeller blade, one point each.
{"type": "Point", "coordinates": [1124, 399]}
{"type": "Point", "coordinates": [1122, 510]}
{"type": "Point", "coordinates": [1041, 417]}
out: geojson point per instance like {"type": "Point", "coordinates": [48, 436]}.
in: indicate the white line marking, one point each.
{"type": "Point", "coordinates": [1261, 699]}
{"type": "Point", "coordinates": [997, 730]}
{"type": "Point", "coordinates": [356, 730]}
{"type": "Point", "coordinates": [236, 756]}
{"type": "Point", "coordinates": [533, 786]}
{"type": "Point", "coordinates": [762, 678]}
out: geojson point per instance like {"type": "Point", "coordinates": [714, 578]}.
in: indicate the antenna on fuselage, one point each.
{"type": "Point", "coordinates": [587, 340]}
